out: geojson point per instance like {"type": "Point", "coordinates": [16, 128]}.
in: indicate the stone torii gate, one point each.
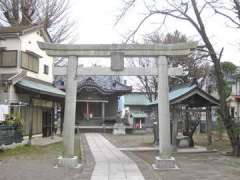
{"type": "Point", "coordinates": [117, 52]}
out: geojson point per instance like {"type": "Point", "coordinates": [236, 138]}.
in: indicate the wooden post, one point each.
{"type": "Point", "coordinates": [87, 111]}
{"type": "Point", "coordinates": [187, 120]}
{"type": "Point", "coordinates": [209, 125]}
{"type": "Point", "coordinates": [30, 132]}
{"type": "Point", "coordinates": [103, 112]}
{"type": "Point", "coordinates": [174, 126]}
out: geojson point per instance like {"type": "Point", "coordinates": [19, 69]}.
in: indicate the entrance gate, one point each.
{"type": "Point", "coordinates": [117, 52]}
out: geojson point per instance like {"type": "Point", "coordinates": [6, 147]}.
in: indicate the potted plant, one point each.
{"type": "Point", "coordinates": [11, 130]}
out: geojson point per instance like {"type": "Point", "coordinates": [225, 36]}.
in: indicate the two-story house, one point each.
{"type": "Point", "coordinates": [26, 78]}
{"type": "Point", "coordinates": [234, 99]}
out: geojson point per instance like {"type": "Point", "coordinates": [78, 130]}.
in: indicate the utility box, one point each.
{"type": "Point", "coordinates": [117, 61]}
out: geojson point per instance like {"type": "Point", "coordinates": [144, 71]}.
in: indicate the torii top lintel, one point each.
{"type": "Point", "coordinates": [127, 50]}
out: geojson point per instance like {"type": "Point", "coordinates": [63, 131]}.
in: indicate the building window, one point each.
{"type": "Point", "coordinates": [8, 58]}
{"type": "Point", "coordinates": [46, 69]}
{"type": "Point", "coordinates": [30, 62]}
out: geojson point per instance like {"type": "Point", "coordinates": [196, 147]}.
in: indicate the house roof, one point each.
{"type": "Point", "coordinates": [104, 84]}
{"type": "Point", "coordinates": [23, 30]}
{"type": "Point", "coordinates": [190, 95]}
{"type": "Point", "coordinates": [17, 29]}
{"type": "Point", "coordinates": [40, 88]}
{"type": "Point", "coordinates": [136, 99]}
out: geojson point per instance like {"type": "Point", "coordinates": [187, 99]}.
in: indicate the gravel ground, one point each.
{"type": "Point", "coordinates": [130, 140]}
{"type": "Point", "coordinates": [211, 166]}
{"type": "Point", "coordinates": [41, 167]}
{"type": "Point", "coordinates": [35, 168]}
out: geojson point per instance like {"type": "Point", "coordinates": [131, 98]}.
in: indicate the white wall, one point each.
{"type": "Point", "coordinates": [11, 44]}
{"type": "Point", "coordinates": [29, 42]}
{"type": "Point", "coordinates": [234, 90]}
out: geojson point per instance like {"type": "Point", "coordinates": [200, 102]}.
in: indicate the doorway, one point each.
{"type": "Point", "coordinates": [47, 122]}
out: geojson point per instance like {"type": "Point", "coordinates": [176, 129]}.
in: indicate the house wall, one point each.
{"type": "Point", "coordinates": [29, 42]}
{"type": "Point", "coordinates": [234, 105]}
{"type": "Point", "coordinates": [11, 43]}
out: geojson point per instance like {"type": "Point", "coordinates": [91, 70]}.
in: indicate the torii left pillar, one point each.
{"type": "Point", "coordinates": [68, 159]}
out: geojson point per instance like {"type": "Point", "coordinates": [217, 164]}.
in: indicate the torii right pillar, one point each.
{"type": "Point", "coordinates": [164, 161]}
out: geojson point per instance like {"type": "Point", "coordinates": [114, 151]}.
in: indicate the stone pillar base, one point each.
{"type": "Point", "coordinates": [165, 164]}
{"type": "Point", "coordinates": [68, 162]}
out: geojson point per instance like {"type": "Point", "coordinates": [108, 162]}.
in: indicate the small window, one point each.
{"type": "Point", "coordinates": [46, 69]}
{"type": "Point", "coordinates": [30, 62]}
{"type": "Point", "coordinates": [8, 58]}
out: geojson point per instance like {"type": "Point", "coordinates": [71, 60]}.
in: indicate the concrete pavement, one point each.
{"type": "Point", "coordinates": [111, 163]}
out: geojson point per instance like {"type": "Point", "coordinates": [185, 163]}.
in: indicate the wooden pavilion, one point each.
{"type": "Point", "coordinates": [189, 104]}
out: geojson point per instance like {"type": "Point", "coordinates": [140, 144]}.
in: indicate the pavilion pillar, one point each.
{"type": "Point", "coordinates": [174, 126]}
{"type": "Point", "coordinates": [70, 107]}
{"type": "Point", "coordinates": [87, 104]}
{"type": "Point", "coordinates": [209, 125]}
{"type": "Point", "coordinates": [164, 161]}
{"type": "Point", "coordinates": [103, 112]}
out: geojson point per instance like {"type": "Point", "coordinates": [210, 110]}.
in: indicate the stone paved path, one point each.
{"type": "Point", "coordinates": [111, 163]}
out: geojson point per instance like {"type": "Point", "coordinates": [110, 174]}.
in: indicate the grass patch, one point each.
{"type": "Point", "coordinates": [77, 147]}
{"type": "Point", "coordinates": [56, 149]}
{"type": "Point", "coordinates": [31, 150]}
{"type": "Point", "coordinates": [222, 145]}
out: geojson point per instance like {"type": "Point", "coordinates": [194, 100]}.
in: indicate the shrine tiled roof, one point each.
{"type": "Point", "coordinates": [105, 84]}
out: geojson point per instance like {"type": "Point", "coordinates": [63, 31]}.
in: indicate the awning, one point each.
{"type": "Point", "coordinates": [40, 88]}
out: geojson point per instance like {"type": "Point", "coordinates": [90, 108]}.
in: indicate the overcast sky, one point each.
{"type": "Point", "coordinates": [95, 25]}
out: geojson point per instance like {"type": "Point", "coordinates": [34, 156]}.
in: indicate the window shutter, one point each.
{"type": "Point", "coordinates": [35, 64]}
{"type": "Point", "coordinates": [24, 60]}
{"type": "Point", "coordinates": [9, 58]}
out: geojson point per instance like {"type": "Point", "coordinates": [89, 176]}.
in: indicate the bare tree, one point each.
{"type": "Point", "coordinates": [230, 11]}
{"type": "Point", "coordinates": [52, 14]}
{"type": "Point", "coordinates": [194, 65]}
{"type": "Point", "coordinates": [192, 12]}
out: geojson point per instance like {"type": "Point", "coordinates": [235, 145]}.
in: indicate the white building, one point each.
{"type": "Point", "coordinates": [26, 77]}
{"type": "Point", "coordinates": [234, 99]}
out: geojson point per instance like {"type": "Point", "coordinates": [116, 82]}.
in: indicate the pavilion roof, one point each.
{"type": "Point", "coordinates": [190, 95]}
